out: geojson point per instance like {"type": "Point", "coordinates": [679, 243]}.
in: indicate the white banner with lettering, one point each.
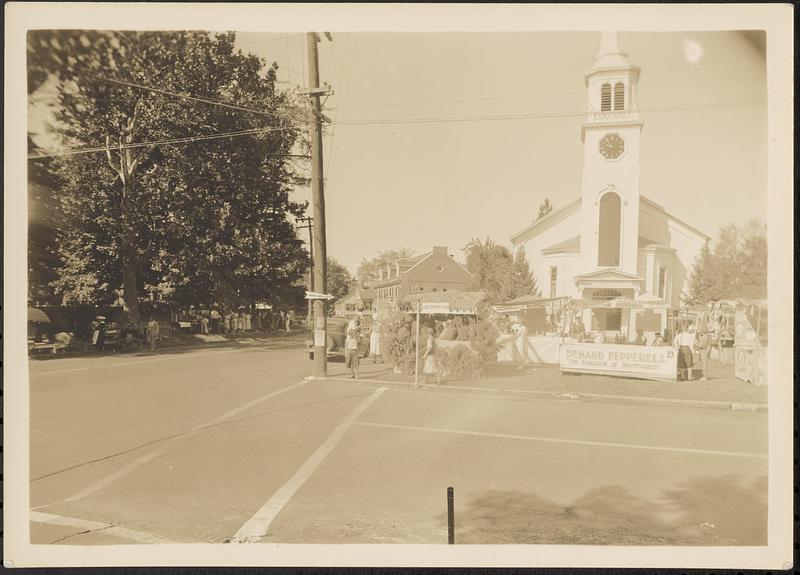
{"type": "Point", "coordinates": [625, 360]}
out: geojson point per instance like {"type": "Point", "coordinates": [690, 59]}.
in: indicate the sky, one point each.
{"type": "Point", "coordinates": [422, 150]}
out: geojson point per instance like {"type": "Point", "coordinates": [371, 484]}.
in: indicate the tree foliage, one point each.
{"type": "Point", "coordinates": [43, 261]}
{"type": "Point", "coordinates": [497, 272]}
{"type": "Point", "coordinates": [736, 266]}
{"type": "Point", "coordinates": [200, 221]}
{"type": "Point", "coordinates": [340, 280]}
{"type": "Point", "coordinates": [369, 270]}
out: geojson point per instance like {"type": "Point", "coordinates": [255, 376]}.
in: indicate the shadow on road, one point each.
{"type": "Point", "coordinates": [178, 346]}
{"type": "Point", "coordinates": [710, 511]}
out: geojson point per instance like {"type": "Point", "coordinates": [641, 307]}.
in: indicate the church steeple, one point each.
{"type": "Point", "coordinates": [611, 135]}
{"type": "Point", "coordinates": [610, 56]}
{"type": "Point", "coordinates": [612, 80]}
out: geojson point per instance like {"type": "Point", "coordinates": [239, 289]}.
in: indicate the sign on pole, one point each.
{"type": "Point", "coordinates": [315, 295]}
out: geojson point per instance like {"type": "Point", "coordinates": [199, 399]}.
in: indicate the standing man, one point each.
{"type": "Point", "coordinates": [153, 329]}
{"type": "Point", "coordinates": [702, 343]}
{"type": "Point", "coordinates": [351, 346]}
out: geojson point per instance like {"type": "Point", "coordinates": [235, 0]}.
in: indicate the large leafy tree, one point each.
{"type": "Point", "coordinates": [499, 273]}
{"type": "Point", "coordinates": [736, 266]}
{"type": "Point", "coordinates": [198, 220]}
{"type": "Point", "coordinates": [340, 280]}
{"type": "Point", "coordinates": [753, 258]}
{"type": "Point", "coordinates": [702, 286]}
{"type": "Point", "coordinates": [43, 261]}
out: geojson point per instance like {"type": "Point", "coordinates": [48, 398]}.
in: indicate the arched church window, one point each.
{"type": "Point", "coordinates": [608, 230]}
{"type": "Point", "coordinates": [619, 96]}
{"type": "Point", "coordinates": [605, 97]}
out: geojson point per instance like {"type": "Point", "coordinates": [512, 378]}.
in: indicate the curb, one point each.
{"type": "Point", "coordinates": [560, 396]}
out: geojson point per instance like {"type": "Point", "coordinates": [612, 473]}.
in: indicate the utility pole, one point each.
{"type": "Point", "coordinates": [319, 256]}
{"type": "Point", "coordinates": [308, 226]}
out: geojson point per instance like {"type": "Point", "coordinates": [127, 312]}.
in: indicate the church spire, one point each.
{"type": "Point", "coordinates": [610, 55]}
{"type": "Point", "coordinates": [609, 43]}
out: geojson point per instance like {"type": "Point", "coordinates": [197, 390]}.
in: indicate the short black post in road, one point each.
{"type": "Point", "coordinates": [451, 528]}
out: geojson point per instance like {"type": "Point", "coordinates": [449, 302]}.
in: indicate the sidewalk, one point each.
{"type": "Point", "coordinates": [171, 342]}
{"type": "Point", "coordinates": [722, 391]}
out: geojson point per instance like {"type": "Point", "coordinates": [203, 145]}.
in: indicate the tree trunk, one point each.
{"type": "Point", "coordinates": [127, 240]}
{"type": "Point", "coordinates": [130, 288]}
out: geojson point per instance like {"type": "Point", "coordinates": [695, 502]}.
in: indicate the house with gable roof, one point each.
{"type": "Point", "coordinates": [434, 271]}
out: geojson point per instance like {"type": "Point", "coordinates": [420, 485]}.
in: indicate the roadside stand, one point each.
{"type": "Point", "coordinates": [444, 306]}
{"type": "Point", "coordinates": [38, 339]}
{"type": "Point", "coordinates": [751, 339]}
{"type": "Point", "coordinates": [544, 320]}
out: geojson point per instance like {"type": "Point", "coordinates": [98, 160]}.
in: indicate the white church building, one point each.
{"type": "Point", "coordinates": [612, 241]}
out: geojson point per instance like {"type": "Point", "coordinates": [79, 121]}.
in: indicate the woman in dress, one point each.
{"type": "Point", "coordinates": [375, 343]}
{"type": "Point", "coordinates": [430, 366]}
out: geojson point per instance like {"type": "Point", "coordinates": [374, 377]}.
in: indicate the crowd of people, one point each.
{"type": "Point", "coordinates": [220, 320]}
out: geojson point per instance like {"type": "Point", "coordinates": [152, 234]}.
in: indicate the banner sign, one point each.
{"type": "Point", "coordinates": [435, 307]}
{"type": "Point", "coordinates": [638, 361]}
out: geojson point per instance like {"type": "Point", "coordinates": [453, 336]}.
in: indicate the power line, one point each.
{"type": "Point", "coordinates": [344, 102]}
{"type": "Point", "coordinates": [442, 120]}
{"type": "Point", "coordinates": [514, 97]}
{"type": "Point", "coordinates": [282, 37]}
{"type": "Point", "coordinates": [187, 139]}
{"type": "Point", "coordinates": [253, 131]}
{"type": "Point", "coordinates": [195, 98]}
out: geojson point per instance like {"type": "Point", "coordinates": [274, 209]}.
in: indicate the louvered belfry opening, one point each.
{"type": "Point", "coordinates": [619, 96]}
{"type": "Point", "coordinates": [605, 97]}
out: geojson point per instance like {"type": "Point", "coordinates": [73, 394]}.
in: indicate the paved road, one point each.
{"type": "Point", "coordinates": [236, 445]}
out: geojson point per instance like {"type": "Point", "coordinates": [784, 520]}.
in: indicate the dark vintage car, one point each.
{"type": "Point", "coordinates": [335, 336]}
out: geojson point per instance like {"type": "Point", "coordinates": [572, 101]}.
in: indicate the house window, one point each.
{"type": "Point", "coordinates": [605, 97]}
{"type": "Point", "coordinates": [619, 96]}
{"type": "Point", "coordinates": [608, 230]}
{"type": "Point", "coordinates": [662, 282]}
{"type": "Point", "coordinates": [553, 280]}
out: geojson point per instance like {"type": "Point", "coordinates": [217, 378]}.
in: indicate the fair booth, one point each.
{"type": "Point", "coordinates": [542, 319]}
{"type": "Point", "coordinates": [750, 341]}
{"type": "Point", "coordinates": [627, 349]}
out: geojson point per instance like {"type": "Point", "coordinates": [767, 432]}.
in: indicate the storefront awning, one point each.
{"type": "Point", "coordinates": [619, 303]}
{"type": "Point", "coordinates": [528, 302]}
{"type": "Point", "coordinates": [453, 302]}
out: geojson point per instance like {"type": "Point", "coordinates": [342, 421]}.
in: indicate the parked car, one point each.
{"type": "Point", "coordinates": [335, 337]}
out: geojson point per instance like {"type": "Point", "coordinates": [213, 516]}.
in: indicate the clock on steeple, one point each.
{"type": "Point", "coordinates": [611, 146]}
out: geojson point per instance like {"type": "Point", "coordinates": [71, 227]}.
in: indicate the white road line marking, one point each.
{"type": "Point", "coordinates": [124, 470]}
{"type": "Point", "coordinates": [59, 371]}
{"type": "Point", "coordinates": [567, 441]}
{"type": "Point", "coordinates": [380, 381]}
{"type": "Point", "coordinates": [107, 528]}
{"type": "Point", "coordinates": [257, 526]}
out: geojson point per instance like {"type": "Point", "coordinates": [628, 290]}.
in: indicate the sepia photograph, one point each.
{"type": "Point", "coordinates": [350, 292]}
